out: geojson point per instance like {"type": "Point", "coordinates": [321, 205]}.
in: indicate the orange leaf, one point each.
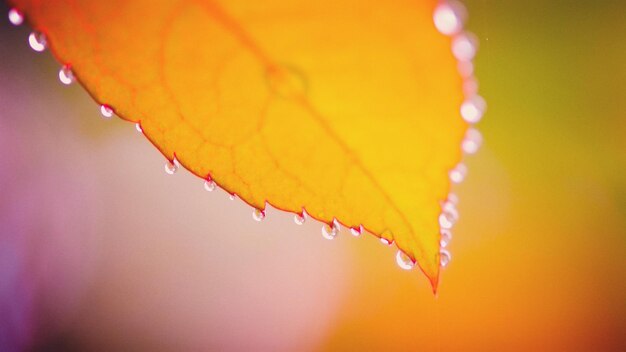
{"type": "Point", "coordinates": [344, 108]}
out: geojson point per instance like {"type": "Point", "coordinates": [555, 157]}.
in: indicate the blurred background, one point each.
{"type": "Point", "coordinates": [101, 250]}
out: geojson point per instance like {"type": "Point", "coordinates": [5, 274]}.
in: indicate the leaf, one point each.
{"type": "Point", "coordinates": [346, 109]}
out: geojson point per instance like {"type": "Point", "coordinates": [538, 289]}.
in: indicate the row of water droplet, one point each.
{"type": "Point", "coordinates": [329, 231]}
{"type": "Point", "coordinates": [449, 18]}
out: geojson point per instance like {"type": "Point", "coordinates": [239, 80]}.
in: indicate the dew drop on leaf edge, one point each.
{"type": "Point", "coordinates": [464, 46]}
{"type": "Point", "coordinates": [473, 108]}
{"type": "Point", "coordinates": [451, 214]}
{"type": "Point", "coordinates": [258, 214]}
{"type": "Point", "coordinates": [356, 231]}
{"type": "Point", "coordinates": [65, 75]}
{"type": "Point", "coordinates": [445, 238]}
{"type": "Point", "coordinates": [329, 232]}
{"type": "Point", "coordinates": [457, 175]}
{"type": "Point", "coordinates": [445, 220]}
{"type": "Point", "coordinates": [449, 17]}
{"type": "Point", "coordinates": [453, 198]}
{"type": "Point", "coordinates": [106, 111]}
{"type": "Point", "coordinates": [299, 219]}
{"type": "Point", "coordinates": [15, 17]}
{"type": "Point", "coordinates": [472, 141]}
{"type": "Point", "coordinates": [37, 41]}
{"type": "Point", "coordinates": [209, 185]}
{"type": "Point", "coordinates": [444, 258]}
{"type": "Point", "coordinates": [404, 261]}
{"type": "Point", "coordinates": [386, 241]}
{"type": "Point", "coordinates": [171, 167]}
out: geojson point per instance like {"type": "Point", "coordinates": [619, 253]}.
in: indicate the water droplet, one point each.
{"type": "Point", "coordinates": [356, 231]}
{"type": "Point", "coordinates": [106, 111]}
{"type": "Point", "coordinates": [37, 41]}
{"type": "Point", "coordinates": [404, 261]}
{"type": "Point", "coordinates": [138, 127]}
{"type": "Point", "coordinates": [15, 17]}
{"type": "Point", "coordinates": [450, 215]}
{"type": "Point", "coordinates": [465, 68]}
{"type": "Point", "coordinates": [209, 185]}
{"type": "Point", "coordinates": [65, 75]}
{"type": "Point", "coordinates": [386, 241]}
{"type": "Point", "coordinates": [470, 86]}
{"type": "Point", "coordinates": [171, 167]}
{"type": "Point", "coordinates": [232, 196]}
{"type": "Point", "coordinates": [472, 142]}
{"type": "Point", "coordinates": [451, 209]}
{"type": "Point", "coordinates": [464, 46]}
{"type": "Point", "coordinates": [444, 258]}
{"type": "Point", "coordinates": [457, 175]}
{"type": "Point", "coordinates": [299, 219]}
{"type": "Point", "coordinates": [445, 237]}
{"type": "Point", "coordinates": [258, 214]}
{"type": "Point", "coordinates": [453, 198]}
{"type": "Point", "coordinates": [472, 109]}
{"type": "Point", "coordinates": [449, 17]}
{"type": "Point", "coordinates": [329, 232]}
{"type": "Point", "coordinates": [446, 220]}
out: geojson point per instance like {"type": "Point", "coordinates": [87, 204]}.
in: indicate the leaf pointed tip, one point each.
{"type": "Point", "coordinates": [434, 282]}
{"type": "Point", "coordinates": [432, 272]}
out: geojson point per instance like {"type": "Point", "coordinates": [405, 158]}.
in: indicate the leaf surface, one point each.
{"type": "Point", "coordinates": [346, 109]}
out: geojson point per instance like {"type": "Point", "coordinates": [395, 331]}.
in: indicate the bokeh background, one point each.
{"type": "Point", "coordinates": [100, 250]}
